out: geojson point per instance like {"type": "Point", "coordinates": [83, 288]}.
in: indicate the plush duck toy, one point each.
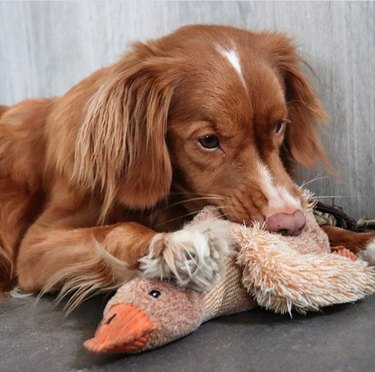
{"type": "Point", "coordinates": [275, 272]}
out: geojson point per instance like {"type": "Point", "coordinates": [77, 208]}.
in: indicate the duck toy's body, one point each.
{"type": "Point", "coordinates": [275, 272]}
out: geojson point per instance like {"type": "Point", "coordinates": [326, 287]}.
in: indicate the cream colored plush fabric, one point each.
{"type": "Point", "coordinates": [283, 276]}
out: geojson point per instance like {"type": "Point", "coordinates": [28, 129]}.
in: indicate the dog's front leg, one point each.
{"type": "Point", "coordinates": [51, 257]}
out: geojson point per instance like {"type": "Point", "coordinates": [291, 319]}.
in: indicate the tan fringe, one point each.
{"type": "Point", "coordinates": [82, 281]}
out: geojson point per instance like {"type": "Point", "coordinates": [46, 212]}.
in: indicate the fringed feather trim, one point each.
{"type": "Point", "coordinates": [98, 274]}
{"type": "Point", "coordinates": [282, 280]}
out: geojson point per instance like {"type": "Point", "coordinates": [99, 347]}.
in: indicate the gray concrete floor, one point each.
{"type": "Point", "coordinates": [39, 338]}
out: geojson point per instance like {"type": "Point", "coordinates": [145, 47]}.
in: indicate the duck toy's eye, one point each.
{"type": "Point", "coordinates": [154, 293]}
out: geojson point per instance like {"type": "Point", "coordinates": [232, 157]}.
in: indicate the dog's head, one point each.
{"type": "Point", "coordinates": [216, 112]}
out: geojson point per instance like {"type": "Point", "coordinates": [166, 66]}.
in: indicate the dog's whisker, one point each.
{"type": "Point", "coordinates": [195, 194]}
{"type": "Point", "coordinates": [333, 196]}
{"type": "Point", "coordinates": [177, 218]}
{"type": "Point", "coordinates": [195, 199]}
{"type": "Point", "coordinates": [191, 214]}
{"type": "Point", "coordinates": [305, 183]}
{"type": "Point", "coordinates": [225, 207]}
{"type": "Point", "coordinates": [222, 209]}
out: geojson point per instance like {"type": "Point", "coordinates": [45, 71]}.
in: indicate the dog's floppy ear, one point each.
{"type": "Point", "coordinates": [305, 110]}
{"type": "Point", "coordinates": [121, 145]}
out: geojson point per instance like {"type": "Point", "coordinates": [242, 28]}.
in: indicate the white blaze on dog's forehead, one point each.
{"type": "Point", "coordinates": [233, 58]}
{"type": "Point", "coordinates": [279, 198]}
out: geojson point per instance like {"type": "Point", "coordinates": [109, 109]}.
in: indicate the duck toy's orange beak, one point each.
{"type": "Point", "coordinates": [124, 329]}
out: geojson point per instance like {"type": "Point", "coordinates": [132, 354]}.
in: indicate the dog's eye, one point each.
{"type": "Point", "coordinates": [154, 293]}
{"type": "Point", "coordinates": [209, 142]}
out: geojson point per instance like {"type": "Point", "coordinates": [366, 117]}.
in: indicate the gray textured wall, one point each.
{"type": "Point", "coordinates": [46, 47]}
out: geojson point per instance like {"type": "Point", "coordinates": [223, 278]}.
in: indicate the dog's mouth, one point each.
{"type": "Point", "coordinates": [248, 221]}
{"type": "Point", "coordinates": [125, 329]}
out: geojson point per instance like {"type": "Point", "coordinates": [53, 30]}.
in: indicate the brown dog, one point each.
{"type": "Point", "coordinates": [207, 115]}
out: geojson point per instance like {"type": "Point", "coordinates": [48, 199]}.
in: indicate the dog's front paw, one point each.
{"type": "Point", "coordinates": [193, 257]}
{"type": "Point", "coordinates": [368, 254]}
